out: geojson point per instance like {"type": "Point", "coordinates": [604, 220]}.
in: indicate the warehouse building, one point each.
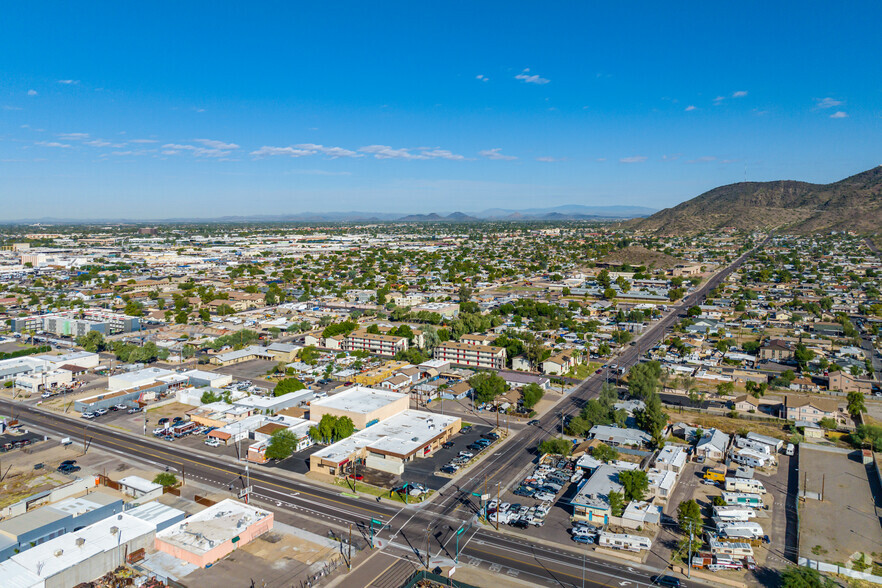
{"type": "Point", "coordinates": [80, 556]}
{"type": "Point", "coordinates": [365, 406]}
{"type": "Point", "coordinates": [214, 533]}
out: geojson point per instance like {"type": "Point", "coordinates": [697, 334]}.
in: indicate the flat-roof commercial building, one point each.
{"type": "Point", "coordinates": [214, 533]}
{"type": "Point", "coordinates": [388, 445]}
{"type": "Point", "coordinates": [481, 356]}
{"type": "Point", "coordinates": [79, 556]}
{"type": "Point", "coordinates": [37, 526]}
{"type": "Point", "coordinates": [241, 355]}
{"type": "Point", "coordinates": [365, 406]}
{"type": "Point", "coordinates": [137, 378]}
{"type": "Point", "coordinates": [200, 379]}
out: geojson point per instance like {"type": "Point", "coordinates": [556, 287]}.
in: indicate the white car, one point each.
{"type": "Point", "coordinates": [543, 496]}
{"type": "Point", "coordinates": [213, 442]}
{"type": "Point", "coordinates": [577, 476]}
{"type": "Point", "coordinates": [493, 504]}
{"type": "Point", "coordinates": [500, 517]}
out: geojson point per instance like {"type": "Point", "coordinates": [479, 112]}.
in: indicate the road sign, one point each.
{"type": "Point", "coordinates": [376, 522]}
{"type": "Point", "coordinates": [245, 492]}
{"type": "Point", "coordinates": [461, 529]}
{"type": "Point", "coordinates": [485, 497]}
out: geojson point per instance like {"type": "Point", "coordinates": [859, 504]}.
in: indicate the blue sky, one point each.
{"type": "Point", "coordinates": [172, 109]}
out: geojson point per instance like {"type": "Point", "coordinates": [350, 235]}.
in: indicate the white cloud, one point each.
{"type": "Point", "coordinates": [68, 82]}
{"type": "Point", "coordinates": [633, 159]}
{"type": "Point", "coordinates": [839, 114]}
{"type": "Point", "coordinates": [212, 144]}
{"type": "Point", "coordinates": [211, 148]}
{"type": "Point", "coordinates": [32, 92]}
{"type": "Point", "coordinates": [53, 144]}
{"type": "Point", "coordinates": [527, 78]}
{"type": "Point", "coordinates": [7, 107]}
{"type": "Point", "coordinates": [482, 77]}
{"type": "Point", "coordinates": [719, 99]}
{"type": "Point", "coordinates": [73, 136]}
{"type": "Point", "coordinates": [333, 152]}
{"type": "Point", "coordinates": [318, 172]}
{"type": "Point", "coordinates": [705, 159]}
{"type": "Point", "coordinates": [387, 152]}
{"type": "Point", "coordinates": [495, 153]}
{"type": "Point", "coordinates": [547, 159]}
{"type": "Point", "coordinates": [267, 151]}
{"type": "Point", "coordinates": [143, 141]}
{"type": "Point", "coordinates": [739, 94]}
{"type": "Point", "coordinates": [689, 108]}
{"type": "Point", "coordinates": [827, 102]}
{"type": "Point", "coordinates": [671, 157]}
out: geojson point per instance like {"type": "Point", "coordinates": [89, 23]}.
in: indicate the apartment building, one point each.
{"type": "Point", "coordinates": [361, 340]}
{"type": "Point", "coordinates": [481, 356]}
{"type": "Point", "coordinates": [75, 323]}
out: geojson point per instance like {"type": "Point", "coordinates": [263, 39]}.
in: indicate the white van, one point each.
{"type": "Point", "coordinates": [791, 449]}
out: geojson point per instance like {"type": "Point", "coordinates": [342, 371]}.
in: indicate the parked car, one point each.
{"type": "Point", "coordinates": [357, 477]}
{"type": "Point", "coordinates": [213, 442]}
{"type": "Point", "coordinates": [68, 462]}
{"type": "Point", "coordinates": [68, 469]}
{"type": "Point", "coordinates": [121, 407]}
{"type": "Point", "coordinates": [467, 454]}
{"type": "Point", "coordinates": [585, 539]}
{"type": "Point", "coordinates": [162, 421]}
{"type": "Point", "coordinates": [134, 410]}
{"type": "Point", "coordinates": [177, 419]}
{"type": "Point", "coordinates": [101, 412]}
{"type": "Point", "coordinates": [533, 422]}
{"type": "Point", "coordinates": [543, 495]}
{"type": "Point", "coordinates": [88, 415]}
{"type": "Point", "coordinates": [447, 444]}
{"type": "Point", "coordinates": [450, 469]}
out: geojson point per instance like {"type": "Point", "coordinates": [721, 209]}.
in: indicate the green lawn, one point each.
{"type": "Point", "coordinates": [582, 371]}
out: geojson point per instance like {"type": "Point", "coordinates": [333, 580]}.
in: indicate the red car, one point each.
{"type": "Point", "coordinates": [358, 477]}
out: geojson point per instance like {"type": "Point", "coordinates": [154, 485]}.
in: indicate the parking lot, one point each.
{"type": "Point", "coordinates": [424, 471]}
{"type": "Point", "coordinates": [255, 369]}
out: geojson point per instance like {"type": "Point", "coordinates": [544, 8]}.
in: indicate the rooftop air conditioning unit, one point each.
{"type": "Point", "coordinates": [59, 552]}
{"type": "Point", "coordinates": [114, 530]}
{"type": "Point", "coordinates": [80, 541]}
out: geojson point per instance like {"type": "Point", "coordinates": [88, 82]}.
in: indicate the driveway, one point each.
{"type": "Point", "coordinates": [422, 470]}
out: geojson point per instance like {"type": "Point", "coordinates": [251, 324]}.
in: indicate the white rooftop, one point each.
{"type": "Point", "coordinates": [401, 434]}
{"type": "Point", "coordinates": [213, 526]}
{"type": "Point", "coordinates": [358, 399]}
{"type": "Point", "coordinates": [56, 555]}
{"type": "Point", "coordinates": [140, 484]}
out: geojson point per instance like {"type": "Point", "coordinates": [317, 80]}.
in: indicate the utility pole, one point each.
{"type": "Point", "coordinates": [689, 562]}
{"type": "Point", "coordinates": [350, 548]}
{"type": "Point", "coordinates": [428, 527]}
{"type": "Point", "coordinates": [497, 506]}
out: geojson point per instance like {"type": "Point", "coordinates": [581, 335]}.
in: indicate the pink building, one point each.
{"type": "Point", "coordinates": [212, 534]}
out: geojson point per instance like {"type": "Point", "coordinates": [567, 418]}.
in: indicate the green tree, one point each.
{"type": "Point", "coordinates": [93, 341]}
{"type": "Point", "coordinates": [604, 453]}
{"type": "Point", "coordinates": [725, 388]}
{"type": "Point", "coordinates": [856, 404]}
{"type": "Point", "coordinates": [867, 434]}
{"type": "Point", "coordinates": [287, 386]}
{"type": "Point", "coordinates": [556, 446]}
{"type": "Point", "coordinates": [643, 379]}
{"type": "Point", "coordinates": [652, 418]}
{"type": "Point", "coordinates": [828, 423]}
{"type": "Point", "coordinates": [208, 397]}
{"type": "Point", "coordinates": [281, 444]}
{"type": "Point", "coordinates": [343, 428]}
{"type": "Point", "coordinates": [182, 317]}
{"type": "Point", "coordinates": [134, 308]}
{"type": "Point", "coordinates": [803, 355]}
{"type": "Point", "coordinates": [532, 394]}
{"type": "Point", "coordinates": [487, 386]}
{"type": "Point", "coordinates": [803, 577]}
{"type": "Point", "coordinates": [635, 483]}
{"type": "Point", "coordinates": [616, 503]}
{"type": "Point", "coordinates": [166, 479]}
{"type": "Point", "coordinates": [689, 518]}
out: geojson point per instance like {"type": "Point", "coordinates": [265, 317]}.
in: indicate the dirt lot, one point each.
{"type": "Point", "coordinates": [729, 425]}
{"type": "Point", "coordinates": [846, 521]}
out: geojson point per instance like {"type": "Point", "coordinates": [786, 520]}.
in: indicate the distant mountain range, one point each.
{"type": "Point", "coordinates": [852, 204]}
{"type": "Point", "coordinates": [561, 213]}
